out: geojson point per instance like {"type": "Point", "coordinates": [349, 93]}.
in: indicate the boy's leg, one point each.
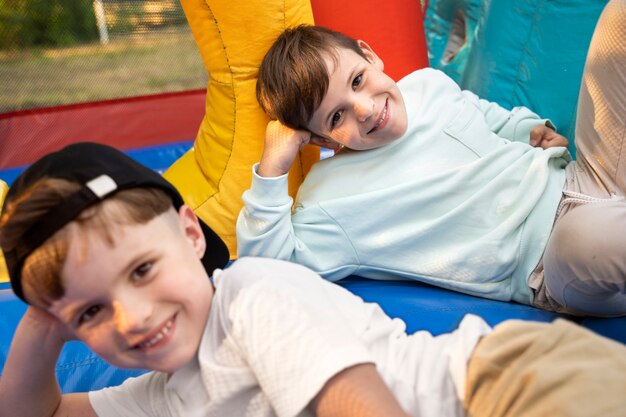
{"type": "Point", "coordinates": [585, 260]}
{"type": "Point", "coordinates": [601, 115]}
{"type": "Point", "coordinates": [540, 369]}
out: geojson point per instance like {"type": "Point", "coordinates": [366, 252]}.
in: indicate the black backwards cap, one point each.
{"type": "Point", "coordinates": [102, 171]}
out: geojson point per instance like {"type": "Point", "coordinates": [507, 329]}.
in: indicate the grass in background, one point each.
{"type": "Point", "coordinates": [151, 63]}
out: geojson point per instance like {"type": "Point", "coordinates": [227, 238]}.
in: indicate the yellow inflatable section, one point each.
{"type": "Point", "coordinates": [4, 274]}
{"type": "Point", "coordinates": [233, 38]}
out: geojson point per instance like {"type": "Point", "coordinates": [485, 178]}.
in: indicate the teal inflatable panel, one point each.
{"type": "Point", "coordinates": [450, 26]}
{"type": "Point", "coordinates": [524, 53]}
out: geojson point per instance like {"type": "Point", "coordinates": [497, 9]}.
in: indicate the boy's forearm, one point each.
{"type": "Point", "coordinates": [28, 385]}
{"type": "Point", "coordinates": [358, 391]}
{"type": "Point", "coordinates": [264, 224]}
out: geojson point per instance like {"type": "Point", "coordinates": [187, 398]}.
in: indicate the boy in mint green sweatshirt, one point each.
{"type": "Point", "coordinates": [434, 184]}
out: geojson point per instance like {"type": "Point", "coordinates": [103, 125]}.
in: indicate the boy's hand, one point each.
{"type": "Point", "coordinates": [282, 144]}
{"type": "Point", "coordinates": [544, 137]}
{"type": "Point", "coordinates": [48, 327]}
{"type": "Point", "coordinates": [28, 386]}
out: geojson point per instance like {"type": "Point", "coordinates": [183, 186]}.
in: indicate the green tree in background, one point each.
{"type": "Point", "coordinates": [26, 23]}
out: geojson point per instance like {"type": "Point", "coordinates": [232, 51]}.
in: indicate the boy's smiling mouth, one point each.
{"type": "Point", "coordinates": [382, 118]}
{"type": "Point", "coordinates": [158, 337]}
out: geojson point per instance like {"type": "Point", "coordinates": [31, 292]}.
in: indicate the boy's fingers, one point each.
{"type": "Point", "coordinates": [318, 141]}
{"type": "Point", "coordinates": [315, 143]}
{"type": "Point", "coordinates": [536, 135]}
{"type": "Point", "coordinates": [281, 136]}
{"type": "Point", "coordinates": [324, 142]}
{"type": "Point", "coordinates": [554, 139]}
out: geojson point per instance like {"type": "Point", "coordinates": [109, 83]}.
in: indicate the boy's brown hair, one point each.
{"type": "Point", "coordinates": [41, 272]}
{"type": "Point", "coordinates": [293, 77]}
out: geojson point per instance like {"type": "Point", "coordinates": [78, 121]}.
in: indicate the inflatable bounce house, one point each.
{"type": "Point", "coordinates": [531, 54]}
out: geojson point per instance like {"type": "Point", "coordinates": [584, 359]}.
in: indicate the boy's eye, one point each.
{"type": "Point", "coordinates": [89, 314]}
{"type": "Point", "coordinates": [335, 119]}
{"type": "Point", "coordinates": [357, 81]}
{"type": "Point", "coordinates": [141, 271]}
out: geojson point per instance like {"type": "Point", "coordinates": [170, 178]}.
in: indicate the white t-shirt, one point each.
{"type": "Point", "coordinates": [277, 332]}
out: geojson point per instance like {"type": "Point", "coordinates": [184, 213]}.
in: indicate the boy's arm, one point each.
{"type": "Point", "coordinates": [28, 386]}
{"type": "Point", "coordinates": [267, 228]}
{"type": "Point", "coordinates": [358, 391]}
{"type": "Point", "coordinates": [281, 147]}
{"type": "Point", "coordinates": [519, 124]}
{"type": "Point", "coordinates": [265, 225]}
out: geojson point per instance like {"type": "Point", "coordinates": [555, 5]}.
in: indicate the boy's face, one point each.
{"type": "Point", "coordinates": [363, 107]}
{"type": "Point", "coordinates": [141, 301]}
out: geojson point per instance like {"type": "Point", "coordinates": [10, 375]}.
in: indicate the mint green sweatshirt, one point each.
{"type": "Point", "coordinates": [461, 201]}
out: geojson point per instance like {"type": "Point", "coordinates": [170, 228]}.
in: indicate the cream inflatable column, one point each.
{"type": "Point", "coordinates": [233, 38]}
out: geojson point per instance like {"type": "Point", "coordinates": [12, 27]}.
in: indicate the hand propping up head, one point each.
{"type": "Point", "coordinates": [282, 145]}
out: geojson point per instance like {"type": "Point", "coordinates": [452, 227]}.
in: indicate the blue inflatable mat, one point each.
{"type": "Point", "coordinates": [424, 307]}
{"type": "Point", "coordinates": [420, 306]}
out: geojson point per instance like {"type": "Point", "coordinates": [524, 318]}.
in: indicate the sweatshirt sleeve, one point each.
{"type": "Point", "coordinates": [266, 227]}
{"type": "Point", "coordinates": [264, 224]}
{"type": "Point", "coordinates": [514, 124]}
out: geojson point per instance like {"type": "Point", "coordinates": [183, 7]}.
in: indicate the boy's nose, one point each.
{"type": "Point", "coordinates": [131, 315]}
{"type": "Point", "coordinates": [363, 108]}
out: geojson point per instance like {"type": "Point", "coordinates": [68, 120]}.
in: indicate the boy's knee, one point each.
{"type": "Point", "coordinates": [585, 260]}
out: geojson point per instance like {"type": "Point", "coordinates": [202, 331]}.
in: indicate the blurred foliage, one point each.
{"type": "Point", "coordinates": [25, 23]}
{"type": "Point", "coordinates": [54, 23]}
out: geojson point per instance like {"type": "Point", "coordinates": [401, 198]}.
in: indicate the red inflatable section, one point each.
{"type": "Point", "coordinates": [124, 123]}
{"type": "Point", "coordinates": [394, 29]}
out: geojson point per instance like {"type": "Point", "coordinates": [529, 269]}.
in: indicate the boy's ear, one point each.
{"type": "Point", "coordinates": [371, 55]}
{"type": "Point", "coordinates": [192, 230]}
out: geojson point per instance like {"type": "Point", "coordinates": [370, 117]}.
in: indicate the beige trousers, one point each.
{"type": "Point", "coordinates": [559, 369]}
{"type": "Point", "coordinates": [584, 264]}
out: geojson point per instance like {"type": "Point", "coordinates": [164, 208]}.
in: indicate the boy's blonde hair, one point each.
{"type": "Point", "coordinates": [41, 272]}
{"type": "Point", "coordinates": [293, 77]}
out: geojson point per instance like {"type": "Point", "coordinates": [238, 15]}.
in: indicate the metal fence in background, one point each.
{"type": "Point", "coordinates": [117, 18]}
